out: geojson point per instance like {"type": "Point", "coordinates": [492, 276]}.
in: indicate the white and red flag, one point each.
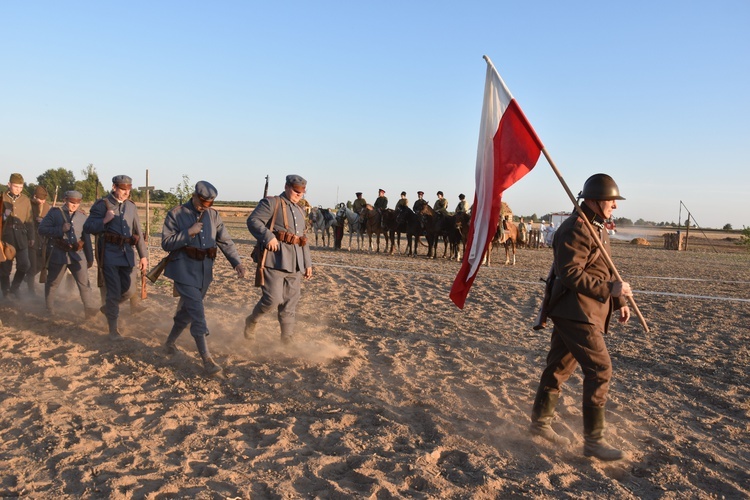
{"type": "Point", "coordinates": [508, 149]}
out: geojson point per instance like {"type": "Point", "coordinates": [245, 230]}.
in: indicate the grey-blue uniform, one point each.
{"type": "Point", "coordinates": [69, 249]}
{"type": "Point", "coordinates": [115, 247]}
{"type": "Point", "coordinates": [284, 268]}
{"type": "Point", "coordinates": [192, 258]}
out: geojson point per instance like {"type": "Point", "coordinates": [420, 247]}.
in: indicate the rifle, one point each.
{"type": "Point", "coordinates": [144, 293]}
{"type": "Point", "coordinates": [154, 273]}
{"type": "Point", "coordinates": [44, 242]}
{"type": "Point", "coordinates": [541, 319]}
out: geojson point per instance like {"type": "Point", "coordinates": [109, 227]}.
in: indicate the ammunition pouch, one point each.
{"type": "Point", "coordinates": [66, 246]}
{"type": "Point", "coordinates": [200, 253]}
{"type": "Point", "coordinates": [290, 238]}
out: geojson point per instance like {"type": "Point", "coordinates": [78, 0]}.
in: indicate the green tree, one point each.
{"type": "Point", "coordinates": [179, 194]}
{"type": "Point", "coordinates": [59, 178]}
{"type": "Point", "coordinates": [745, 237]}
{"type": "Point", "coordinates": [727, 227]}
{"type": "Point", "coordinates": [90, 187]}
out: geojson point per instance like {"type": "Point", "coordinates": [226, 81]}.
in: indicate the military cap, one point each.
{"type": "Point", "coordinates": [381, 191]}
{"type": "Point", "coordinates": [40, 193]}
{"type": "Point", "coordinates": [205, 190]}
{"type": "Point", "coordinates": [16, 178]}
{"type": "Point", "coordinates": [121, 179]}
{"type": "Point", "coordinates": [461, 196]}
{"type": "Point", "coordinates": [420, 192]}
{"type": "Point", "coordinates": [296, 181]}
{"type": "Point", "coordinates": [403, 193]}
{"type": "Point", "coordinates": [73, 195]}
{"type": "Point", "coordinates": [440, 193]}
{"type": "Point", "coordinates": [358, 193]}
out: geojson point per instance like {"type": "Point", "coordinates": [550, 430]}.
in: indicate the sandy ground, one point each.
{"type": "Point", "coordinates": [390, 392]}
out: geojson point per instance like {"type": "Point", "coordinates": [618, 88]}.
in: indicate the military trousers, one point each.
{"type": "Point", "coordinates": [190, 310]}
{"type": "Point", "coordinates": [117, 281]}
{"type": "Point", "coordinates": [280, 291]}
{"type": "Point", "coordinates": [55, 275]}
{"type": "Point", "coordinates": [572, 344]}
{"type": "Point", "coordinates": [23, 264]}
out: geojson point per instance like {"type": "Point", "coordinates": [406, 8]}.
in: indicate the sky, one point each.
{"type": "Point", "coordinates": [357, 96]}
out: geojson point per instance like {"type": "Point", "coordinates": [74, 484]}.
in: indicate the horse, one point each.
{"type": "Point", "coordinates": [506, 235]}
{"type": "Point", "coordinates": [354, 222]}
{"type": "Point", "coordinates": [408, 222]}
{"type": "Point", "coordinates": [371, 220]}
{"type": "Point", "coordinates": [433, 224]}
{"type": "Point", "coordinates": [390, 222]}
{"type": "Point", "coordinates": [322, 221]}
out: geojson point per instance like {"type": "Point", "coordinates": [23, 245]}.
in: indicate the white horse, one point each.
{"type": "Point", "coordinates": [355, 225]}
{"type": "Point", "coordinates": [322, 221]}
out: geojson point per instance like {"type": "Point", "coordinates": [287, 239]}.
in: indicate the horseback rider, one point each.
{"type": "Point", "coordinates": [359, 203]}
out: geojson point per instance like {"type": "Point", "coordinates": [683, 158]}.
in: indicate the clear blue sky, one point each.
{"type": "Point", "coordinates": [356, 96]}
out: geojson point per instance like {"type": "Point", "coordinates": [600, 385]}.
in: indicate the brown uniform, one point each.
{"type": "Point", "coordinates": [581, 308]}
{"type": "Point", "coordinates": [18, 230]}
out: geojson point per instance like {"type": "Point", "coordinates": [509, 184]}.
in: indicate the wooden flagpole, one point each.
{"type": "Point", "coordinates": [591, 229]}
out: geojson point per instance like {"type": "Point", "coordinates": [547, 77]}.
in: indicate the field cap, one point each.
{"type": "Point", "coordinates": [440, 193]}
{"type": "Point", "coordinates": [122, 179]}
{"type": "Point", "coordinates": [358, 193]}
{"type": "Point", "coordinates": [420, 192]}
{"type": "Point", "coordinates": [40, 193]}
{"type": "Point", "coordinates": [296, 181]}
{"type": "Point", "coordinates": [381, 191]}
{"type": "Point", "coordinates": [205, 190]}
{"type": "Point", "coordinates": [403, 193]}
{"type": "Point", "coordinates": [74, 196]}
{"type": "Point", "coordinates": [16, 179]}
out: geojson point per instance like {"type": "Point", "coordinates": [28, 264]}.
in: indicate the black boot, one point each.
{"type": "Point", "coordinates": [17, 280]}
{"type": "Point", "coordinates": [170, 345]}
{"type": "Point", "coordinates": [542, 414]}
{"type": "Point", "coordinates": [209, 365]}
{"type": "Point", "coordinates": [5, 284]}
{"type": "Point", "coordinates": [593, 433]}
{"type": "Point", "coordinates": [114, 333]}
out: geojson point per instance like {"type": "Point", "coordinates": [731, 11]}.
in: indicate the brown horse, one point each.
{"type": "Point", "coordinates": [508, 237]}
{"type": "Point", "coordinates": [372, 223]}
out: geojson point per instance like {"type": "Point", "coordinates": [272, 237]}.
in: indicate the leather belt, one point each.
{"type": "Point", "coordinates": [200, 253]}
{"type": "Point", "coordinates": [66, 246]}
{"type": "Point", "coordinates": [119, 239]}
{"type": "Point", "coordinates": [290, 238]}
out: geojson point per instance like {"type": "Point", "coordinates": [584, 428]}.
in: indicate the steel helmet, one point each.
{"type": "Point", "coordinates": [600, 187]}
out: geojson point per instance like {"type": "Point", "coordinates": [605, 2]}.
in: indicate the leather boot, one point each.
{"type": "Point", "coordinates": [5, 284]}
{"type": "Point", "coordinates": [209, 365]}
{"type": "Point", "coordinates": [542, 414]}
{"type": "Point", "coordinates": [114, 333]}
{"type": "Point", "coordinates": [593, 433]}
{"type": "Point", "coordinates": [170, 345]}
{"type": "Point", "coordinates": [250, 323]}
{"type": "Point", "coordinates": [287, 333]}
{"type": "Point", "coordinates": [18, 278]}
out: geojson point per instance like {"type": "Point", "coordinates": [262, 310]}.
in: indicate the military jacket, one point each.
{"type": "Point", "coordinates": [175, 238]}
{"type": "Point", "coordinates": [381, 202]}
{"type": "Point", "coordinates": [289, 257]}
{"type": "Point", "coordinates": [126, 224]}
{"type": "Point", "coordinates": [51, 227]}
{"type": "Point", "coordinates": [18, 222]}
{"type": "Point", "coordinates": [359, 204]}
{"type": "Point", "coordinates": [582, 290]}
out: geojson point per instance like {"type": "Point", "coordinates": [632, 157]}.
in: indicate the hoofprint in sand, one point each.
{"type": "Point", "coordinates": [391, 390]}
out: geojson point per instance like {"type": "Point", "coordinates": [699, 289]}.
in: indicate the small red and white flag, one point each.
{"type": "Point", "coordinates": [508, 149]}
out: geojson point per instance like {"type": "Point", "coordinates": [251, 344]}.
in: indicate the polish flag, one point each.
{"type": "Point", "coordinates": [508, 149]}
